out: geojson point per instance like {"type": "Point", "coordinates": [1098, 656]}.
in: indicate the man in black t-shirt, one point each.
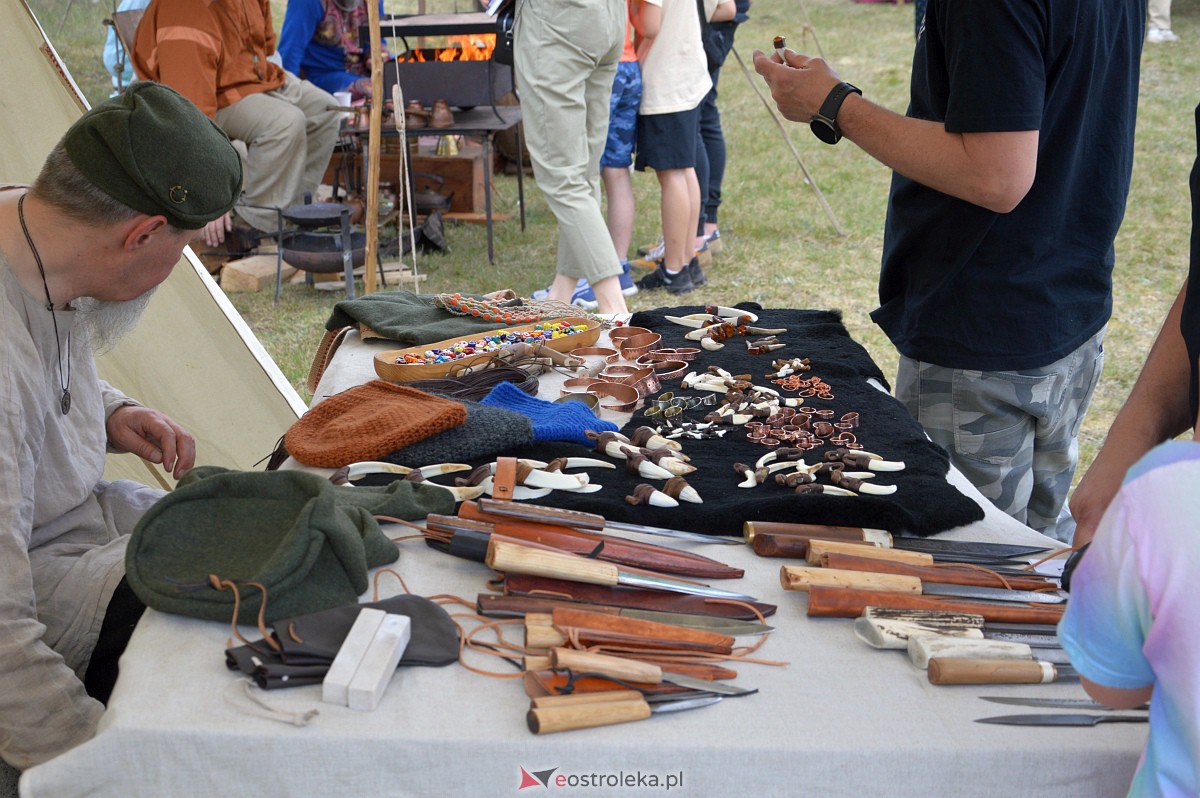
{"type": "Point", "coordinates": [1164, 401]}
{"type": "Point", "coordinates": [1011, 170]}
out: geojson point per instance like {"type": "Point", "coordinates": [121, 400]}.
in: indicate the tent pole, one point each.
{"type": "Point", "coordinates": [373, 147]}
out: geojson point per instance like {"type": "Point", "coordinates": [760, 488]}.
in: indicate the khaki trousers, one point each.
{"type": "Point", "coordinates": [565, 60]}
{"type": "Point", "coordinates": [1160, 14]}
{"type": "Point", "coordinates": [289, 135]}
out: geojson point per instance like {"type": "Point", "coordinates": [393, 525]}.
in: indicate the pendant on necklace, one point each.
{"type": "Point", "coordinates": [65, 402]}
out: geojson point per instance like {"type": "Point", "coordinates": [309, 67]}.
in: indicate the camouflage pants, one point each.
{"type": "Point", "coordinates": [1013, 434]}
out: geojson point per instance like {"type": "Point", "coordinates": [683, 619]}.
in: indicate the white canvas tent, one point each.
{"type": "Point", "coordinates": [192, 356]}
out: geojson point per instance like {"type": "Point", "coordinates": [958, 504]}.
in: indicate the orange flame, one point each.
{"type": "Point", "coordinates": [460, 48]}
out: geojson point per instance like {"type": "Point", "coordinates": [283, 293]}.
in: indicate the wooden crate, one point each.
{"type": "Point", "coordinates": [462, 173]}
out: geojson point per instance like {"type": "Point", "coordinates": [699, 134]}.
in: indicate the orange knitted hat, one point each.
{"type": "Point", "coordinates": [368, 422]}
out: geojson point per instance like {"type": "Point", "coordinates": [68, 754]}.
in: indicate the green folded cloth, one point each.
{"type": "Point", "coordinates": [308, 542]}
{"type": "Point", "coordinates": [405, 317]}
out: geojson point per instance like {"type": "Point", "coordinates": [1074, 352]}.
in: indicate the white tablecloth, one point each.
{"type": "Point", "coordinates": [841, 719]}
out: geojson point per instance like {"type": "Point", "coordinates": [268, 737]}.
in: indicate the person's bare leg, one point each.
{"type": "Point", "coordinates": [609, 298]}
{"type": "Point", "coordinates": [563, 288]}
{"type": "Point", "coordinates": [677, 214]}
{"type": "Point", "coordinates": [618, 189]}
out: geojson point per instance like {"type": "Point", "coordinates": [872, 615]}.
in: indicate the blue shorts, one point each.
{"type": "Point", "coordinates": [667, 141]}
{"type": "Point", "coordinates": [622, 116]}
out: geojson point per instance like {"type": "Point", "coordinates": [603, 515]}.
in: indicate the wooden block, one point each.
{"type": "Point", "coordinates": [254, 273]}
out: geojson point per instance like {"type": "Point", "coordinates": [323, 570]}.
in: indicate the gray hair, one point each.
{"type": "Point", "coordinates": [61, 185]}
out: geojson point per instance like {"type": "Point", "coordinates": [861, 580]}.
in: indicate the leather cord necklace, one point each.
{"type": "Point", "coordinates": [65, 382]}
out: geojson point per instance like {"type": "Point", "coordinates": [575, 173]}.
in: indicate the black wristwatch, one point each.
{"type": "Point", "coordinates": [824, 125]}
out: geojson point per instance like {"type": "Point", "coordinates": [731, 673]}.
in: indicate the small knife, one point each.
{"type": "Point", "coordinates": [1053, 703]}
{"type": "Point", "coordinates": [998, 671]}
{"type": "Point", "coordinates": [1062, 719]}
{"type": "Point", "coordinates": [512, 556]}
{"type": "Point", "coordinates": [551, 714]}
{"type": "Point", "coordinates": [993, 593]}
{"type": "Point", "coordinates": [633, 670]}
{"type": "Point", "coordinates": [577, 519]}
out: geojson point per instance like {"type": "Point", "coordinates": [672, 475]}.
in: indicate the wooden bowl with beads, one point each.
{"type": "Point", "coordinates": [390, 365]}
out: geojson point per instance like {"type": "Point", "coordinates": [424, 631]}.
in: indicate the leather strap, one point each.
{"type": "Point", "coordinates": [505, 478]}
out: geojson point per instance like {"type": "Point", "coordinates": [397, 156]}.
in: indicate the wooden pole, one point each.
{"type": "Point", "coordinates": [808, 178]}
{"type": "Point", "coordinates": [373, 142]}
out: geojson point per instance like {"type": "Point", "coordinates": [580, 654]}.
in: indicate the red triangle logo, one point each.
{"type": "Point", "coordinates": [528, 781]}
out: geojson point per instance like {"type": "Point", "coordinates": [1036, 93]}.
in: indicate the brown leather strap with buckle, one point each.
{"type": "Point", "coordinates": [505, 478]}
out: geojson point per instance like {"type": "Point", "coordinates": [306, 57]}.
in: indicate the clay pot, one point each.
{"type": "Point", "coordinates": [442, 115]}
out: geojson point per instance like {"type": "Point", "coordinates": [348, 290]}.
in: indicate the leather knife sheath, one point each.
{"type": "Point", "coordinates": [637, 598]}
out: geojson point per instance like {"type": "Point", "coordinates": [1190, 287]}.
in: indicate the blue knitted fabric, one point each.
{"type": "Point", "coordinates": [552, 421]}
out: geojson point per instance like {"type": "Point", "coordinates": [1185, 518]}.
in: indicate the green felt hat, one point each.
{"type": "Point", "coordinates": [153, 150]}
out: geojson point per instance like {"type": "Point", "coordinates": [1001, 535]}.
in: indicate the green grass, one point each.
{"type": "Point", "coordinates": [781, 249]}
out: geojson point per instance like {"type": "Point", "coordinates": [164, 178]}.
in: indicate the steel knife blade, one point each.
{"type": "Point", "coordinates": [1053, 703]}
{"type": "Point", "coordinates": [1062, 719]}
{"type": "Point", "coordinates": [998, 551]}
{"type": "Point", "coordinates": [1049, 640]}
{"type": "Point", "coordinates": [727, 626]}
{"type": "Point", "coordinates": [680, 705]}
{"type": "Point", "coordinates": [992, 593]}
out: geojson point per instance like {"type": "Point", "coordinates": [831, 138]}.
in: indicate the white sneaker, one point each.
{"type": "Point", "coordinates": [1160, 35]}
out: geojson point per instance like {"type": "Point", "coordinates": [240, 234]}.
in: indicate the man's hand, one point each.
{"type": "Point", "coordinates": [798, 87]}
{"type": "Point", "coordinates": [153, 437]}
{"type": "Point", "coordinates": [1095, 492]}
{"type": "Point", "coordinates": [214, 232]}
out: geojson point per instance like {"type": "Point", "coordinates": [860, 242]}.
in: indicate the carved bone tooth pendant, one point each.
{"type": "Point", "coordinates": [649, 495]}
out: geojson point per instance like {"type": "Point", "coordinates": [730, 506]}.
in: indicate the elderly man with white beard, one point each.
{"type": "Point", "coordinates": [103, 224]}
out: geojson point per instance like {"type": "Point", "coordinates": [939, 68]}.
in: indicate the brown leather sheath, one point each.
{"type": "Point", "coordinates": [845, 602]}
{"type": "Point", "coordinates": [605, 547]}
{"type": "Point", "coordinates": [647, 633]}
{"type": "Point", "coordinates": [634, 597]}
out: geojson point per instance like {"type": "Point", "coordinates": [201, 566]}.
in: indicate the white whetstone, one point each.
{"type": "Point", "coordinates": [924, 647]}
{"type": "Point", "coordinates": [336, 686]}
{"type": "Point", "coordinates": [379, 663]}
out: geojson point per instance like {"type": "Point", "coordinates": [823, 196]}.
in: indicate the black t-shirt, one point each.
{"type": "Point", "coordinates": [1190, 321]}
{"type": "Point", "coordinates": [964, 287]}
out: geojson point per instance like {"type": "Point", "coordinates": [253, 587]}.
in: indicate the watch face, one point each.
{"type": "Point", "coordinates": [825, 130]}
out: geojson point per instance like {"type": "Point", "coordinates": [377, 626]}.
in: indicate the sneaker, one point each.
{"type": "Point", "coordinates": [1160, 35]}
{"type": "Point", "coordinates": [695, 273]}
{"type": "Point", "coordinates": [648, 264]}
{"type": "Point", "coordinates": [583, 297]}
{"type": "Point", "coordinates": [628, 287]}
{"type": "Point", "coordinates": [678, 283]}
{"type": "Point", "coordinates": [652, 251]}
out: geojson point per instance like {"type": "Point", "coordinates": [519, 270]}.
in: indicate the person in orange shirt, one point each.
{"type": "Point", "coordinates": [218, 54]}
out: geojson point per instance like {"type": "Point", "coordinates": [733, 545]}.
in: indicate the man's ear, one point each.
{"type": "Point", "coordinates": [142, 229]}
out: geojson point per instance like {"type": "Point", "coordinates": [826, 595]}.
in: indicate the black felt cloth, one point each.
{"type": "Point", "coordinates": [924, 504]}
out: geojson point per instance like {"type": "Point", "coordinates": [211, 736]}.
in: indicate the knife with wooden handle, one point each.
{"type": "Point", "coordinates": [588, 710]}
{"type": "Point", "coordinates": [843, 602]}
{"type": "Point", "coordinates": [939, 573]}
{"type": "Point", "coordinates": [513, 556]}
{"type": "Point", "coordinates": [751, 530]}
{"type": "Point", "coordinates": [794, 577]}
{"type": "Point", "coordinates": [609, 547]}
{"type": "Point", "coordinates": [818, 549]}
{"type": "Point", "coordinates": [997, 671]}
{"type": "Point", "coordinates": [637, 671]}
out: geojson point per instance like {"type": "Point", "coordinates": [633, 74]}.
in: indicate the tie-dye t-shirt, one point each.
{"type": "Point", "coordinates": [1135, 609]}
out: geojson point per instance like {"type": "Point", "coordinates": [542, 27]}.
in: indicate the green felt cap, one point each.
{"type": "Point", "coordinates": [153, 150]}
